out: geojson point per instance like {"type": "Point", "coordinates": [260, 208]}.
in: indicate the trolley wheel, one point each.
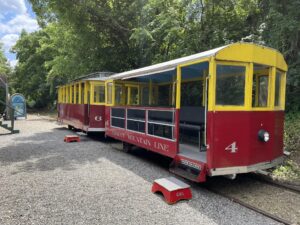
{"type": "Point", "coordinates": [70, 127]}
{"type": "Point", "coordinates": [127, 147]}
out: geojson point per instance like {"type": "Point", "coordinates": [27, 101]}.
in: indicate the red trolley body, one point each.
{"type": "Point", "coordinates": [89, 118]}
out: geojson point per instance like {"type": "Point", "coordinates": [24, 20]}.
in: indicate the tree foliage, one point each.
{"type": "Point", "coordinates": [4, 66]}
{"type": "Point", "coordinates": [4, 72]}
{"type": "Point", "coordinates": [79, 37]}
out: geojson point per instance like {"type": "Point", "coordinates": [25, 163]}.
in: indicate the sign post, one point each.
{"type": "Point", "coordinates": [18, 102]}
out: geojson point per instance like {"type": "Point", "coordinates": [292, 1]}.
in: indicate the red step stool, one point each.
{"type": "Point", "coordinates": [172, 189]}
{"type": "Point", "coordinates": [72, 138]}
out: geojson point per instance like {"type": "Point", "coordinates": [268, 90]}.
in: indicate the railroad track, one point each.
{"type": "Point", "coordinates": [262, 179]}
{"type": "Point", "coordinates": [268, 180]}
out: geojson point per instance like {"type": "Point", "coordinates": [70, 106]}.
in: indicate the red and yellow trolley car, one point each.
{"type": "Point", "coordinates": [220, 112]}
{"type": "Point", "coordinates": [81, 104]}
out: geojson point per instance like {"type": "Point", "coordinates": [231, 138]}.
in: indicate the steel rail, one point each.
{"type": "Point", "coordinates": [268, 180]}
{"type": "Point", "coordinates": [253, 208]}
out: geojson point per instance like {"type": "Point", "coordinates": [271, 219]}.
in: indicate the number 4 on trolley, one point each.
{"type": "Point", "coordinates": [232, 147]}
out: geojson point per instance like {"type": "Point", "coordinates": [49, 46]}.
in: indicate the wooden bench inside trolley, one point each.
{"type": "Point", "coordinates": [219, 112]}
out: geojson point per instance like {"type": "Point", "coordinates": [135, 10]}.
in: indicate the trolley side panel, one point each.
{"type": "Point", "coordinates": [233, 138]}
{"type": "Point", "coordinates": [97, 116]}
{"type": "Point", "coordinates": [72, 114]}
{"type": "Point", "coordinates": [160, 145]}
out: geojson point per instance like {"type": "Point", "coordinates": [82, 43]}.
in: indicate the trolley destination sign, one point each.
{"type": "Point", "coordinates": [147, 142]}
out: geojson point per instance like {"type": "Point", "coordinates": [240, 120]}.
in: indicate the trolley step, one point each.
{"type": "Point", "coordinates": [185, 171]}
{"type": "Point", "coordinates": [172, 189]}
{"type": "Point", "coordinates": [71, 138]}
{"type": "Point", "coordinates": [188, 169]}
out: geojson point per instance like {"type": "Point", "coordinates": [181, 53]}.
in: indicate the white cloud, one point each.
{"type": "Point", "coordinates": [8, 41]}
{"type": "Point", "coordinates": [18, 23]}
{"type": "Point", "coordinates": [12, 6]}
{"type": "Point", "coordinates": [14, 17]}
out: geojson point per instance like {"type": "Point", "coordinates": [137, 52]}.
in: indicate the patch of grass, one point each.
{"type": "Point", "coordinates": [290, 170]}
{"type": "Point", "coordinates": [292, 132]}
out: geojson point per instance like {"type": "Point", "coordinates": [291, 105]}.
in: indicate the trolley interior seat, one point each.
{"type": "Point", "coordinates": [191, 125]}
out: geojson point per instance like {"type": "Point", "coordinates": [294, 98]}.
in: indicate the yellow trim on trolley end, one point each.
{"type": "Point", "coordinates": [249, 52]}
{"type": "Point", "coordinates": [178, 87]}
{"type": "Point", "coordinates": [211, 84]}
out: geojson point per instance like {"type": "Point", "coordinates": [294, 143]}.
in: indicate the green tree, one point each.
{"type": "Point", "coordinates": [282, 32]}
{"type": "Point", "coordinates": [4, 66]}
{"type": "Point", "coordinates": [30, 73]}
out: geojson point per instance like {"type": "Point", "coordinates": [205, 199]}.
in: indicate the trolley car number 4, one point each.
{"type": "Point", "coordinates": [232, 147]}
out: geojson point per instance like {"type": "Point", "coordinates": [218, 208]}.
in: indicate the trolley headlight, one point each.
{"type": "Point", "coordinates": [263, 136]}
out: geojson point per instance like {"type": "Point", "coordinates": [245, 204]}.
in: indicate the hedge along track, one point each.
{"type": "Point", "coordinates": [260, 194]}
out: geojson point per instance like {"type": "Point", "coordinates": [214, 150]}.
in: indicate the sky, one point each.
{"type": "Point", "coordinates": [15, 15]}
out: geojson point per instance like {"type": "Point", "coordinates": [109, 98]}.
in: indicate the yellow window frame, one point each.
{"type": "Point", "coordinates": [129, 87]}
{"type": "Point", "coordinates": [123, 96]}
{"type": "Point", "coordinates": [71, 93]}
{"type": "Point", "coordinates": [67, 94]}
{"type": "Point", "coordinates": [74, 93]}
{"type": "Point", "coordinates": [79, 93]}
{"type": "Point", "coordinates": [93, 84]}
{"type": "Point", "coordinates": [64, 94]}
{"type": "Point", "coordinates": [247, 88]}
{"type": "Point", "coordinates": [281, 89]}
{"type": "Point", "coordinates": [86, 92]}
{"type": "Point", "coordinates": [271, 92]}
{"type": "Point", "coordinates": [108, 82]}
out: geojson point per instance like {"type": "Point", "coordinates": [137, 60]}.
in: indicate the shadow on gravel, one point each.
{"type": "Point", "coordinates": [46, 151]}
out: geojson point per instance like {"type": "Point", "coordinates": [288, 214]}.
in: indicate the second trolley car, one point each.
{"type": "Point", "coordinates": [81, 103]}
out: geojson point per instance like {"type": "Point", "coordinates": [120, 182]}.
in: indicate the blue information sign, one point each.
{"type": "Point", "coordinates": [19, 103]}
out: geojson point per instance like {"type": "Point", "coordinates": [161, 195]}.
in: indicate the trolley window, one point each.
{"type": "Point", "coordinates": [230, 85]}
{"type": "Point", "coordinates": [71, 94]}
{"type": "Point", "coordinates": [64, 94]}
{"type": "Point", "coordinates": [82, 93]}
{"type": "Point", "coordinates": [278, 88]}
{"type": "Point", "coordinates": [132, 95]}
{"type": "Point", "coordinates": [145, 96]}
{"type": "Point", "coordinates": [109, 93]}
{"type": "Point", "coordinates": [192, 93]}
{"type": "Point", "coordinates": [77, 93]}
{"type": "Point", "coordinates": [118, 95]}
{"type": "Point", "coordinates": [99, 93]}
{"type": "Point", "coordinates": [74, 93]}
{"type": "Point", "coordinates": [260, 88]}
{"type": "Point", "coordinates": [67, 94]}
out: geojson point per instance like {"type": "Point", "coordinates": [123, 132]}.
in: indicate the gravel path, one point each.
{"type": "Point", "coordinates": [46, 181]}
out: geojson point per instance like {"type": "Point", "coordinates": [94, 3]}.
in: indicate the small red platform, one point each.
{"type": "Point", "coordinates": [172, 189]}
{"type": "Point", "coordinates": [72, 138]}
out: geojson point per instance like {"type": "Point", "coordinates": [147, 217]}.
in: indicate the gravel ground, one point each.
{"type": "Point", "coordinates": [46, 181]}
{"type": "Point", "coordinates": [277, 201]}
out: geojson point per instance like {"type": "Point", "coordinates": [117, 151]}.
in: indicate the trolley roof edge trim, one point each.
{"type": "Point", "coordinates": [169, 65]}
